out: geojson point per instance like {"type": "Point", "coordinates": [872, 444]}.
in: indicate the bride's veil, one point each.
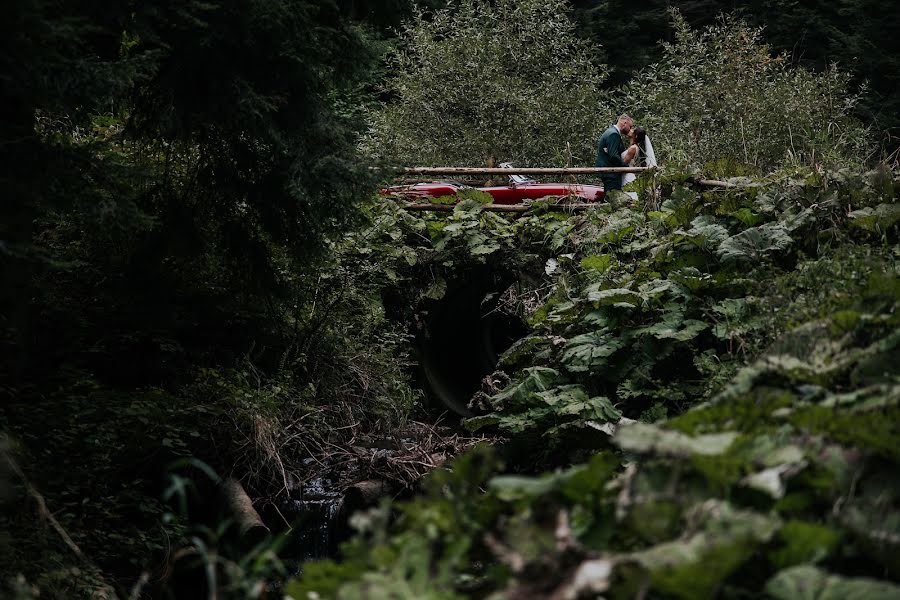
{"type": "Point", "coordinates": [651, 155]}
{"type": "Point", "coordinates": [650, 162]}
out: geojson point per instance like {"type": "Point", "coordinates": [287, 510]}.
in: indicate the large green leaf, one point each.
{"type": "Point", "coordinates": [642, 438]}
{"type": "Point", "coordinates": [599, 263]}
{"type": "Point", "coordinates": [752, 245]}
{"type": "Point", "coordinates": [674, 326]}
{"type": "Point", "coordinates": [589, 351]}
{"type": "Point", "coordinates": [693, 568]}
{"type": "Point", "coordinates": [682, 205]}
{"type": "Point", "coordinates": [534, 379]}
{"type": "Point", "coordinates": [704, 233]}
{"type": "Point", "coordinates": [810, 583]}
{"type": "Point", "coordinates": [514, 487]}
{"type": "Point", "coordinates": [879, 218]}
{"type": "Point", "coordinates": [613, 296]}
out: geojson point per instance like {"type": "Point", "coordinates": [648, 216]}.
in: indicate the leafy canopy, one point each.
{"type": "Point", "coordinates": [719, 93]}
{"type": "Point", "coordinates": [507, 80]}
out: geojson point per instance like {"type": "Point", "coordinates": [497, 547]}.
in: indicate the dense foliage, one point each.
{"type": "Point", "coordinates": [718, 94]}
{"type": "Point", "coordinates": [714, 304]}
{"type": "Point", "coordinates": [196, 282]}
{"type": "Point", "coordinates": [470, 83]}
{"type": "Point", "coordinates": [172, 174]}
{"type": "Point", "coordinates": [816, 34]}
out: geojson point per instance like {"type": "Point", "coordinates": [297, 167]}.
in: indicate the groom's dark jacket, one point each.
{"type": "Point", "coordinates": [611, 157]}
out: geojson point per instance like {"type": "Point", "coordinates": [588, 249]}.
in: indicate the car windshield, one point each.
{"type": "Point", "coordinates": [516, 179]}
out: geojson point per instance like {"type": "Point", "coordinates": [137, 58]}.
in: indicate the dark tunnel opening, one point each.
{"type": "Point", "coordinates": [466, 333]}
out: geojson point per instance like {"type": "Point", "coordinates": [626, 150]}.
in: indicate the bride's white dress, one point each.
{"type": "Point", "coordinates": [650, 161]}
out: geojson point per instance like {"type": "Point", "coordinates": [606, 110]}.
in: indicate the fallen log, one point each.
{"type": "Point", "coordinates": [536, 171]}
{"type": "Point", "coordinates": [714, 183]}
{"type": "Point", "coordinates": [365, 494]}
{"type": "Point", "coordinates": [249, 524]}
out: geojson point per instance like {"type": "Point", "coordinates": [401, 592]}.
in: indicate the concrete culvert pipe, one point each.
{"type": "Point", "coordinates": [465, 336]}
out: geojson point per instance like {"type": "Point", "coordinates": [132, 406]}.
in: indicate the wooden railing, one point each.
{"type": "Point", "coordinates": [536, 171]}
{"type": "Point", "coordinates": [517, 170]}
{"type": "Point", "coordinates": [518, 208]}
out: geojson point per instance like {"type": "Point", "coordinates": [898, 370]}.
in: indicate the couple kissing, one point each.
{"type": "Point", "coordinates": [611, 152]}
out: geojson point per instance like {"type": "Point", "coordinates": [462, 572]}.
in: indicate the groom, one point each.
{"type": "Point", "coordinates": [609, 151]}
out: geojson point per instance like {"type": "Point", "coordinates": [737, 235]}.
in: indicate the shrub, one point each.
{"type": "Point", "coordinates": [719, 93]}
{"type": "Point", "coordinates": [508, 80]}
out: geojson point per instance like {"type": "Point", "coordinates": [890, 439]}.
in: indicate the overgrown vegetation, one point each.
{"type": "Point", "coordinates": [815, 34]}
{"type": "Point", "coordinates": [471, 83]}
{"type": "Point", "coordinates": [198, 283]}
{"type": "Point", "coordinates": [474, 80]}
{"type": "Point", "coordinates": [718, 98]}
{"type": "Point", "coordinates": [710, 310]}
{"type": "Point", "coordinates": [173, 176]}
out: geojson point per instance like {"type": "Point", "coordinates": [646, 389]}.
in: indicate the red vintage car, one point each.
{"type": "Point", "coordinates": [518, 189]}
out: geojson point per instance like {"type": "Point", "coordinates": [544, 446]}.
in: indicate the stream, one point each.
{"type": "Point", "coordinates": [319, 523]}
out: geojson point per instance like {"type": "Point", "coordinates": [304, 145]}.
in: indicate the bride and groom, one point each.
{"type": "Point", "coordinates": [611, 152]}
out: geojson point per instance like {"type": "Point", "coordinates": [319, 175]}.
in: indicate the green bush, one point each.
{"type": "Point", "coordinates": [764, 320]}
{"type": "Point", "coordinates": [719, 96]}
{"type": "Point", "coordinates": [480, 80]}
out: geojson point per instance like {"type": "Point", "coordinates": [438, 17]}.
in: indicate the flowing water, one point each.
{"type": "Point", "coordinates": [317, 521]}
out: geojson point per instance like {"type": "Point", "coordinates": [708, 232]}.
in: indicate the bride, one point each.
{"type": "Point", "coordinates": [638, 154]}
